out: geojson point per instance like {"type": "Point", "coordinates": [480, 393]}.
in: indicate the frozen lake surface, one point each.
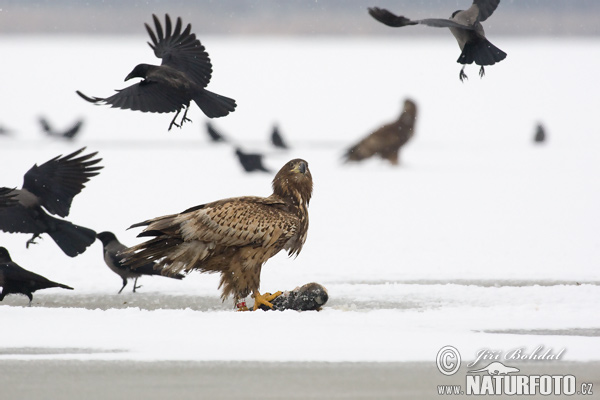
{"type": "Point", "coordinates": [478, 240]}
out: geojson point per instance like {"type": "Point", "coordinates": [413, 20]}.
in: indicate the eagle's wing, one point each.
{"type": "Point", "coordinates": [183, 241]}
{"type": "Point", "coordinates": [390, 19]}
{"type": "Point", "coordinates": [180, 50]}
{"type": "Point", "coordinates": [239, 223]}
{"type": "Point", "coordinates": [145, 96]}
{"type": "Point", "coordinates": [58, 181]}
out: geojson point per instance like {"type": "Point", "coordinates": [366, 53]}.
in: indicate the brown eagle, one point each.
{"type": "Point", "coordinates": [387, 140]}
{"type": "Point", "coordinates": [234, 236]}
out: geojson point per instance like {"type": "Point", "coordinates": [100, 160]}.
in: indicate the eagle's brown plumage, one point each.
{"type": "Point", "coordinates": [387, 140]}
{"type": "Point", "coordinates": [234, 236]}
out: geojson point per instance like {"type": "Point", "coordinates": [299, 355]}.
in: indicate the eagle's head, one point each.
{"type": "Point", "coordinates": [294, 182]}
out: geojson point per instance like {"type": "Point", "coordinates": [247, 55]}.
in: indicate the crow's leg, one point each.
{"type": "Point", "coordinates": [124, 284]}
{"type": "Point", "coordinates": [173, 120]}
{"type": "Point", "coordinates": [185, 118]}
{"type": "Point", "coordinates": [32, 240]}
{"type": "Point", "coordinates": [481, 72]}
{"type": "Point", "coordinates": [30, 296]}
{"type": "Point", "coordinates": [462, 76]}
{"type": "Point", "coordinates": [135, 286]}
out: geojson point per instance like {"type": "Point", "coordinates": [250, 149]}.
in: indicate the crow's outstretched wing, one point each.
{"type": "Point", "coordinates": [180, 50]}
{"type": "Point", "coordinates": [145, 96]}
{"type": "Point", "coordinates": [390, 19]}
{"type": "Point", "coordinates": [58, 181]}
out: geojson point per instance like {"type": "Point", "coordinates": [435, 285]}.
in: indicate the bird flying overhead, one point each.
{"type": "Point", "coordinates": [466, 27]}
{"type": "Point", "coordinates": [17, 280]}
{"type": "Point", "coordinates": [50, 187]}
{"type": "Point", "coordinates": [251, 161]}
{"type": "Point", "coordinates": [233, 237]}
{"type": "Point", "coordinates": [184, 73]}
{"type": "Point", "coordinates": [214, 134]}
{"type": "Point", "coordinates": [67, 134]}
{"type": "Point", "coordinates": [387, 140]}
{"type": "Point", "coordinates": [111, 248]}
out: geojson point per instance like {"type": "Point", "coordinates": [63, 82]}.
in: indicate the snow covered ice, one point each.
{"type": "Point", "coordinates": [478, 240]}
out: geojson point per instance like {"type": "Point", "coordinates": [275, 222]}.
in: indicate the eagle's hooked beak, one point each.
{"type": "Point", "coordinates": [301, 167]}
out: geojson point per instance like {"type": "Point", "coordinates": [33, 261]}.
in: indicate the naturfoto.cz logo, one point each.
{"type": "Point", "coordinates": [497, 378]}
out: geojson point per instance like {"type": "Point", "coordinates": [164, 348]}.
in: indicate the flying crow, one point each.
{"type": "Point", "coordinates": [466, 27]}
{"type": "Point", "coordinates": [15, 279]}
{"type": "Point", "coordinates": [251, 161]}
{"type": "Point", "coordinates": [52, 185]}
{"type": "Point", "coordinates": [68, 134]}
{"type": "Point", "coordinates": [182, 76]}
{"type": "Point", "coordinates": [114, 260]}
{"type": "Point", "coordinates": [214, 134]}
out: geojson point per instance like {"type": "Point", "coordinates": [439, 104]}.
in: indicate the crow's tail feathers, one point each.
{"type": "Point", "coordinates": [72, 239]}
{"type": "Point", "coordinates": [482, 52]}
{"type": "Point", "coordinates": [214, 105]}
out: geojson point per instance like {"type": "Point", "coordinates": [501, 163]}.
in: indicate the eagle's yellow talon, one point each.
{"type": "Point", "coordinates": [265, 299]}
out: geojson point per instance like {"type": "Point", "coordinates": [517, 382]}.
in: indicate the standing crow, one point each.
{"type": "Point", "coordinates": [215, 135]}
{"type": "Point", "coordinates": [250, 161]}
{"type": "Point", "coordinates": [277, 139]}
{"type": "Point", "coordinates": [52, 185]}
{"type": "Point", "coordinates": [540, 134]}
{"type": "Point", "coordinates": [466, 27]}
{"type": "Point", "coordinates": [68, 134]}
{"type": "Point", "coordinates": [114, 260]}
{"type": "Point", "coordinates": [182, 76]}
{"type": "Point", "coordinates": [15, 279]}
{"type": "Point", "coordinates": [387, 140]}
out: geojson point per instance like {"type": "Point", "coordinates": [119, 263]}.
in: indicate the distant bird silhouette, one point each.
{"type": "Point", "coordinates": [215, 135]}
{"type": "Point", "coordinates": [5, 131]}
{"type": "Point", "coordinates": [182, 76]}
{"type": "Point", "coordinates": [277, 139]}
{"type": "Point", "coordinates": [466, 27]}
{"type": "Point", "coordinates": [251, 161]}
{"type": "Point", "coordinates": [540, 134]}
{"type": "Point", "coordinates": [112, 248]}
{"type": "Point", "coordinates": [68, 134]}
{"type": "Point", "coordinates": [17, 280]}
{"type": "Point", "coordinates": [387, 140]}
{"type": "Point", "coordinates": [52, 185]}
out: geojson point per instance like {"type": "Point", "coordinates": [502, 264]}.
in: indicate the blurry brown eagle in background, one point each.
{"type": "Point", "coordinates": [234, 236]}
{"type": "Point", "coordinates": [387, 140]}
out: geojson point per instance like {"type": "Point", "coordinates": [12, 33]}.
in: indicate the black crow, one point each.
{"type": "Point", "coordinates": [112, 249]}
{"type": "Point", "coordinates": [277, 139]}
{"type": "Point", "coordinates": [540, 134]}
{"type": "Point", "coordinates": [15, 279]}
{"type": "Point", "coordinates": [466, 27]}
{"type": "Point", "coordinates": [68, 134]}
{"type": "Point", "coordinates": [215, 135]}
{"type": "Point", "coordinates": [182, 76]}
{"type": "Point", "coordinates": [52, 185]}
{"type": "Point", "coordinates": [251, 161]}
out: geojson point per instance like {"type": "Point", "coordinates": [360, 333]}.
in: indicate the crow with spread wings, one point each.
{"type": "Point", "coordinates": [184, 73]}
{"type": "Point", "coordinates": [466, 27]}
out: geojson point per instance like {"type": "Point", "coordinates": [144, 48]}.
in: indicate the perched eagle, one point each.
{"type": "Point", "coordinates": [234, 236]}
{"type": "Point", "coordinates": [387, 140]}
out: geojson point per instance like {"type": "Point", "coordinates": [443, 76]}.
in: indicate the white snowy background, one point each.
{"type": "Point", "coordinates": [478, 231]}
